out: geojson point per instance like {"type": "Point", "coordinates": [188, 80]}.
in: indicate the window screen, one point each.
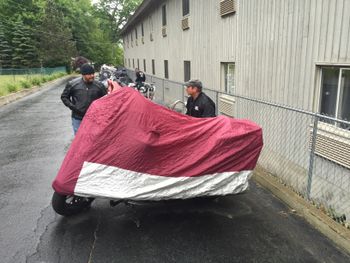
{"type": "Point", "coordinates": [166, 72]}
{"type": "Point", "coordinates": [187, 70]}
{"type": "Point", "coordinates": [185, 7]}
{"type": "Point", "coordinates": [153, 67]}
{"type": "Point", "coordinates": [164, 15]}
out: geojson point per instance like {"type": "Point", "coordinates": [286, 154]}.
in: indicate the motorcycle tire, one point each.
{"type": "Point", "coordinates": [67, 205]}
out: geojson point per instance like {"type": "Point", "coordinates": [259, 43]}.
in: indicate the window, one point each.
{"type": "Point", "coordinates": [153, 67]}
{"type": "Point", "coordinates": [142, 34]}
{"type": "Point", "coordinates": [125, 62]}
{"type": "Point", "coordinates": [150, 28]}
{"type": "Point", "coordinates": [138, 64]}
{"type": "Point", "coordinates": [228, 76]}
{"type": "Point", "coordinates": [187, 70]}
{"type": "Point", "coordinates": [166, 72]}
{"type": "Point", "coordinates": [144, 65]}
{"type": "Point", "coordinates": [133, 63]}
{"type": "Point", "coordinates": [335, 94]}
{"type": "Point", "coordinates": [185, 7]}
{"type": "Point", "coordinates": [164, 15]}
{"type": "Point", "coordinates": [136, 42]}
{"type": "Point", "coordinates": [129, 62]}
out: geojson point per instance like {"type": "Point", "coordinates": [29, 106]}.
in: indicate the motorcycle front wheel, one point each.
{"type": "Point", "coordinates": [67, 205]}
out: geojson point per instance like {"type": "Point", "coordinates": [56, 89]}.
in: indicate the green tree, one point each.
{"type": "Point", "coordinates": [92, 41]}
{"type": "Point", "coordinates": [25, 53]}
{"type": "Point", "coordinates": [20, 19]}
{"type": "Point", "coordinates": [55, 37]}
{"type": "Point", "coordinates": [55, 30]}
{"type": "Point", "coordinates": [5, 49]}
{"type": "Point", "coordinates": [115, 14]}
{"type": "Point", "coordinates": [119, 55]}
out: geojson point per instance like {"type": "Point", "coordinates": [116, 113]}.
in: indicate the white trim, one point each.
{"type": "Point", "coordinates": [338, 94]}
{"type": "Point", "coordinates": [100, 180]}
{"type": "Point", "coordinates": [333, 132]}
{"type": "Point", "coordinates": [331, 64]}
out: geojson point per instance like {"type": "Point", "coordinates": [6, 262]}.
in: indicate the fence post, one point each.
{"type": "Point", "coordinates": [312, 156]}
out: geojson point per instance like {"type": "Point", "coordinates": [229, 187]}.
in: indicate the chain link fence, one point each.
{"type": "Point", "coordinates": [306, 151]}
{"type": "Point", "coordinates": [13, 80]}
{"type": "Point", "coordinates": [17, 73]}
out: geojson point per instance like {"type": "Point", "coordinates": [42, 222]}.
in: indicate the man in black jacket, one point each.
{"type": "Point", "coordinates": [80, 93]}
{"type": "Point", "coordinates": [140, 78]}
{"type": "Point", "coordinates": [198, 104]}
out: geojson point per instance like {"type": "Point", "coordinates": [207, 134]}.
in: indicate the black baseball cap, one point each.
{"type": "Point", "coordinates": [87, 69]}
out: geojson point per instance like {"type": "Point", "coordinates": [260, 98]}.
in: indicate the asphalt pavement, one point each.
{"type": "Point", "coordinates": [35, 134]}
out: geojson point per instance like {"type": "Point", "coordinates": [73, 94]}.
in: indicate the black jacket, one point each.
{"type": "Point", "coordinates": [140, 77]}
{"type": "Point", "coordinates": [201, 107]}
{"type": "Point", "coordinates": [78, 95]}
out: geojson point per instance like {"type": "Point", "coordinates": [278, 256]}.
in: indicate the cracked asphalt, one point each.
{"type": "Point", "coordinates": [36, 132]}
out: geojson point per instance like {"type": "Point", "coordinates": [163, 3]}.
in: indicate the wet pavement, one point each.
{"type": "Point", "coordinates": [36, 132]}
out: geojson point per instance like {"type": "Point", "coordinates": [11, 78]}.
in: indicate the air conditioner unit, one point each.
{"type": "Point", "coordinates": [164, 31]}
{"type": "Point", "coordinates": [227, 7]}
{"type": "Point", "coordinates": [185, 23]}
{"type": "Point", "coordinates": [226, 105]}
{"type": "Point", "coordinates": [331, 145]}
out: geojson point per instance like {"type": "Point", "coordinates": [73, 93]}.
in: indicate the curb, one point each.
{"type": "Point", "coordinates": [25, 92]}
{"type": "Point", "coordinates": [328, 227]}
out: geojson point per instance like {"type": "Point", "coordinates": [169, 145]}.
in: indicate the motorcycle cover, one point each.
{"type": "Point", "coordinates": [129, 147]}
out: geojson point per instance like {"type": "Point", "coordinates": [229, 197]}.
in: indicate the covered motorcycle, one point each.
{"type": "Point", "coordinates": [129, 147]}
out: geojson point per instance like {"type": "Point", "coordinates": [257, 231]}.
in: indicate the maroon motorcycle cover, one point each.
{"type": "Point", "coordinates": [129, 147]}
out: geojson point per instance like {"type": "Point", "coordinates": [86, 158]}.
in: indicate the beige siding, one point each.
{"type": "Point", "coordinates": [281, 42]}
{"type": "Point", "coordinates": [276, 45]}
{"type": "Point", "coordinates": [209, 41]}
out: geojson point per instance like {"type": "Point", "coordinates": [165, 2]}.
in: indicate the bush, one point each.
{"type": "Point", "coordinates": [35, 81]}
{"type": "Point", "coordinates": [12, 87]}
{"type": "Point", "coordinates": [25, 84]}
{"type": "Point", "coordinates": [57, 75]}
{"type": "Point", "coordinates": [52, 76]}
{"type": "Point", "coordinates": [44, 79]}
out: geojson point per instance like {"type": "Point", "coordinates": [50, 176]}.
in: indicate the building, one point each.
{"type": "Point", "coordinates": [277, 62]}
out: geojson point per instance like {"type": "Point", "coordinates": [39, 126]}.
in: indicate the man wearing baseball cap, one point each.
{"type": "Point", "coordinates": [198, 103]}
{"type": "Point", "coordinates": [79, 93]}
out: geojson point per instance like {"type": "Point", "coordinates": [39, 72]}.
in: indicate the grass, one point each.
{"type": "Point", "coordinates": [14, 83]}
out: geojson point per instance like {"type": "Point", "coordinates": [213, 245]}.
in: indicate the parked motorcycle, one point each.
{"type": "Point", "coordinates": [118, 75]}
{"type": "Point", "coordinates": [121, 77]}
{"type": "Point", "coordinates": [146, 89]}
{"type": "Point", "coordinates": [131, 150]}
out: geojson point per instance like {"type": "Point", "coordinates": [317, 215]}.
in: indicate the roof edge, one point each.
{"type": "Point", "coordinates": [139, 12]}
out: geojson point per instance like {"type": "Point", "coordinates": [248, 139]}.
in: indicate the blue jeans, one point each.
{"type": "Point", "coordinates": [75, 124]}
